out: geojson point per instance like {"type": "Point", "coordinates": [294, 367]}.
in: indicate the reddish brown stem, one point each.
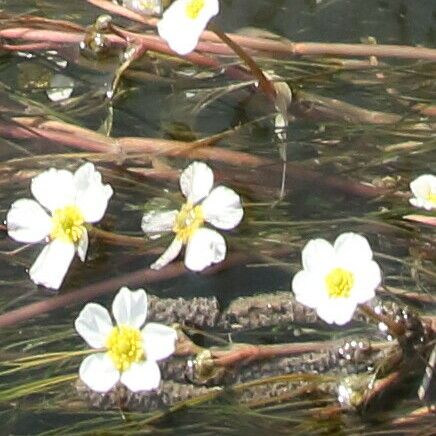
{"type": "Point", "coordinates": [41, 22]}
{"type": "Point", "coordinates": [43, 35]}
{"type": "Point", "coordinates": [382, 385]}
{"type": "Point", "coordinates": [395, 328]}
{"type": "Point", "coordinates": [117, 239]}
{"type": "Point", "coordinates": [155, 43]}
{"type": "Point", "coordinates": [333, 49]}
{"type": "Point", "coordinates": [138, 278]}
{"type": "Point", "coordinates": [79, 138]}
{"type": "Point", "coordinates": [211, 43]}
{"type": "Point", "coordinates": [282, 48]}
{"type": "Point", "coordinates": [264, 83]}
{"type": "Point", "coordinates": [21, 130]}
{"type": "Point", "coordinates": [89, 292]}
{"type": "Point", "coordinates": [33, 46]}
{"type": "Point", "coordinates": [416, 415]}
{"type": "Point", "coordinates": [246, 352]}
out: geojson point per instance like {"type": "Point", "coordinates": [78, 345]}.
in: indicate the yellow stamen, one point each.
{"type": "Point", "coordinates": [339, 283]}
{"type": "Point", "coordinates": [431, 197]}
{"type": "Point", "coordinates": [188, 220]}
{"type": "Point", "coordinates": [124, 345]}
{"type": "Point", "coordinates": [193, 8]}
{"type": "Point", "coordinates": [67, 224]}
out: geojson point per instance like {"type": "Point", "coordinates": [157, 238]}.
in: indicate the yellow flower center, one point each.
{"type": "Point", "coordinates": [339, 283]}
{"type": "Point", "coordinates": [188, 220]}
{"type": "Point", "coordinates": [124, 345]}
{"type": "Point", "coordinates": [67, 224]}
{"type": "Point", "coordinates": [193, 8]}
{"type": "Point", "coordinates": [431, 197]}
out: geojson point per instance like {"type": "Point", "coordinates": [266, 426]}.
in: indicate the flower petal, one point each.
{"type": "Point", "coordinates": [143, 376]}
{"type": "Point", "coordinates": [367, 279]}
{"type": "Point", "coordinates": [336, 311]}
{"type": "Point", "coordinates": [159, 340]}
{"type": "Point", "coordinates": [352, 250]}
{"type": "Point", "coordinates": [92, 195]}
{"type": "Point", "coordinates": [130, 307]}
{"type": "Point", "coordinates": [82, 246]}
{"type": "Point", "coordinates": [52, 264]}
{"type": "Point", "coordinates": [418, 202]}
{"type": "Point", "coordinates": [196, 181]}
{"type": "Point", "coordinates": [180, 31]}
{"type": "Point", "coordinates": [205, 248]}
{"type": "Point", "coordinates": [422, 185]}
{"type": "Point", "coordinates": [98, 372]}
{"type": "Point", "coordinates": [168, 255]}
{"type": "Point", "coordinates": [424, 189]}
{"type": "Point", "coordinates": [318, 255]}
{"type": "Point", "coordinates": [27, 221]}
{"type": "Point", "coordinates": [54, 188]}
{"type": "Point", "coordinates": [153, 223]}
{"type": "Point", "coordinates": [181, 43]}
{"type": "Point", "coordinates": [94, 325]}
{"type": "Point", "coordinates": [222, 208]}
{"type": "Point", "coordinates": [308, 288]}
{"type": "Point", "coordinates": [210, 9]}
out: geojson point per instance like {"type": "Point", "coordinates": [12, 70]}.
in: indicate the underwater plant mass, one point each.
{"type": "Point", "coordinates": [218, 217]}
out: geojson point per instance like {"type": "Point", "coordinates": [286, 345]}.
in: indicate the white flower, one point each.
{"type": "Point", "coordinates": [71, 200]}
{"type": "Point", "coordinates": [127, 352]}
{"type": "Point", "coordinates": [424, 190]}
{"type": "Point", "coordinates": [184, 21]}
{"type": "Point", "coordinates": [337, 278]}
{"type": "Point", "coordinates": [220, 207]}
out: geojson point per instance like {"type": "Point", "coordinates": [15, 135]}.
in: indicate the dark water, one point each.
{"type": "Point", "coordinates": [166, 106]}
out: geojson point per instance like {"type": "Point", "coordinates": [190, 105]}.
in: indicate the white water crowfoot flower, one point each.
{"type": "Point", "coordinates": [220, 207]}
{"type": "Point", "coordinates": [126, 352]}
{"type": "Point", "coordinates": [424, 191]}
{"type": "Point", "coordinates": [65, 202]}
{"type": "Point", "coordinates": [184, 21]}
{"type": "Point", "coordinates": [336, 278]}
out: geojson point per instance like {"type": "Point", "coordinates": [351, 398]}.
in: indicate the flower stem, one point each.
{"type": "Point", "coordinates": [141, 277]}
{"type": "Point", "coordinates": [117, 239]}
{"type": "Point", "coordinates": [395, 328]}
{"type": "Point", "coordinates": [264, 83]}
{"type": "Point", "coordinates": [238, 353]}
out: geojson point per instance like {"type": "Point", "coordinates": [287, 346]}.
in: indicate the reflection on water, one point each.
{"type": "Point", "coordinates": [360, 130]}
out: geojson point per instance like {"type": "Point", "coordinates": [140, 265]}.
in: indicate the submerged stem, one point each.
{"type": "Point", "coordinates": [264, 82]}
{"type": "Point", "coordinates": [395, 328]}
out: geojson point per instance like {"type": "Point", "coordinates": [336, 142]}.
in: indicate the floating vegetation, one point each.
{"type": "Point", "coordinates": [141, 126]}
